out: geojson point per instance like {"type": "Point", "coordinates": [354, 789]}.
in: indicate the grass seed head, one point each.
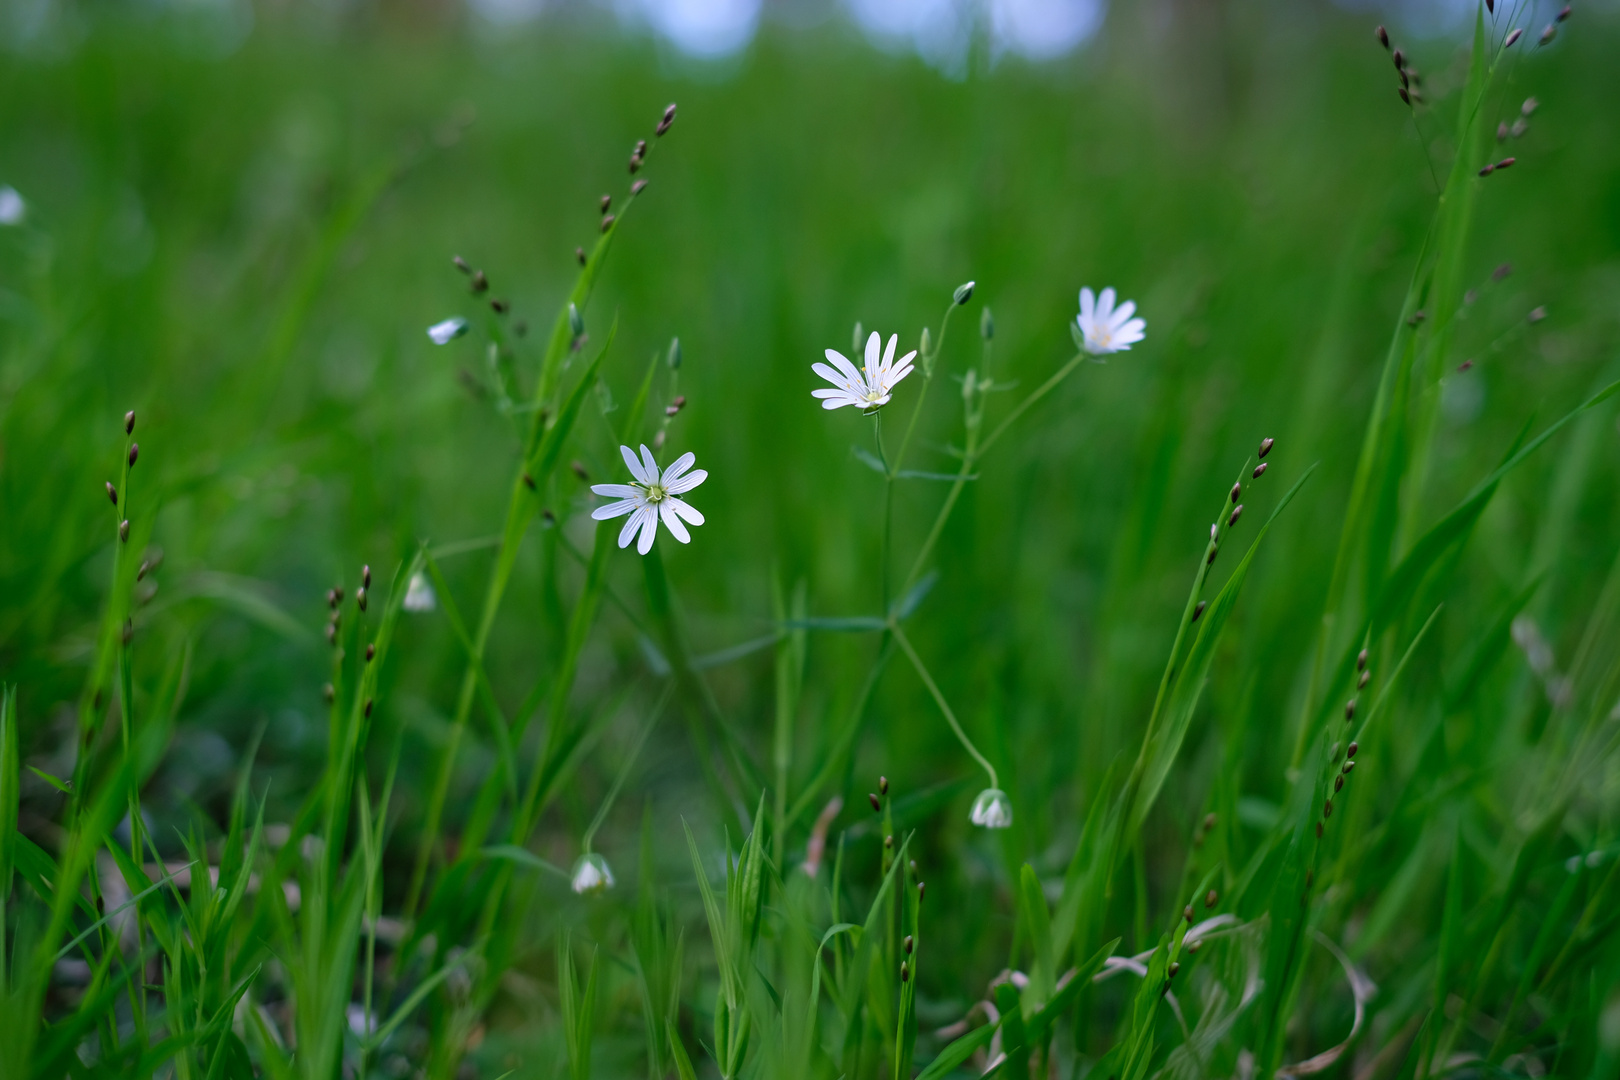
{"type": "Point", "coordinates": [1399, 58]}
{"type": "Point", "coordinates": [1209, 821]}
{"type": "Point", "coordinates": [129, 417]}
{"type": "Point", "coordinates": [1361, 683]}
{"type": "Point", "coordinates": [607, 222]}
{"type": "Point", "coordinates": [1210, 898]}
{"type": "Point", "coordinates": [1338, 782]}
{"type": "Point", "coordinates": [499, 306]}
{"type": "Point", "coordinates": [134, 452]}
{"type": "Point", "coordinates": [1237, 489]}
{"type": "Point", "coordinates": [1237, 512]}
{"type": "Point", "coordinates": [1260, 470]}
{"type": "Point", "coordinates": [329, 693]}
{"type": "Point", "coordinates": [371, 652]}
{"type": "Point", "coordinates": [872, 798]}
{"type": "Point", "coordinates": [360, 597]}
{"type": "Point", "coordinates": [883, 785]}
{"type": "Point", "coordinates": [1487, 170]}
{"type": "Point", "coordinates": [1327, 809]}
{"type": "Point", "coordinates": [1405, 95]}
{"type": "Point", "coordinates": [480, 282]}
{"type": "Point", "coordinates": [605, 202]}
{"type": "Point", "coordinates": [1361, 660]}
{"type": "Point", "coordinates": [579, 255]}
{"type": "Point", "coordinates": [1537, 314]}
{"type": "Point", "coordinates": [1502, 131]}
{"type": "Point", "coordinates": [1175, 966]}
{"type": "Point", "coordinates": [1383, 37]}
{"type": "Point", "coordinates": [1548, 34]}
{"type": "Point", "coordinates": [1513, 38]}
{"type": "Point", "coordinates": [1187, 913]}
{"type": "Point", "coordinates": [1506, 163]}
{"type": "Point", "coordinates": [1564, 14]}
{"type": "Point", "coordinates": [368, 708]}
{"type": "Point", "coordinates": [1199, 610]}
{"type": "Point", "coordinates": [1520, 126]}
{"type": "Point", "coordinates": [1350, 709]}
{"type": "Point", "coordinates": [1353, 748]}
{"type": "Point", "coordinates": [123, 530]}
{"type": "Point", "coordinates": [673, 357]}
{"type": "Point", "coordinates": [461, 264]}
{"type": "Point", "coordinates": [910, 944]}
{"type": "Point", "coordinates": [1196, 945]}
{"type": "Point", "coordinates": [905, 971]}
{"type": "Point", "coordinates": [112, 493]}
{"type": "Point", "coordinates": [922, 887]}
{"type": "Point", "coordinates": [638, 187]}
{"type": "Point", "coordinates": [1351, 764]}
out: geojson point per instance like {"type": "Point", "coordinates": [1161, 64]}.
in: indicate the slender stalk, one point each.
{"type": "Point", "coordinates": [939, 699]}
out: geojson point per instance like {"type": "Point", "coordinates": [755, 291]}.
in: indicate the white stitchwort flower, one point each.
{"type": "Point", "coordinates": [652, 497]}
{"type": "Point", "coordinates": [1106, 328]}
{"type": "Point", "coordinates": [868, 388]}
{"type": "Point", "coordinates": [419, 594]}
{"type": "Point", "coordinates": [992, 809]}
{"type": "Point", "coordinates": [591, 874]}
{"type": "Point", "coordinates": [443, 333]}
{"type": "Point", "coordinates": [12, 207]}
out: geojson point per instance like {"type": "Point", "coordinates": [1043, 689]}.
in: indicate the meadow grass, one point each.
{"type": "Point", "coordinates": [1321, 783]}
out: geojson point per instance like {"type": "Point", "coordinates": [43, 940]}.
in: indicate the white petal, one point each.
{"type": "Point", "coordinates": [636, 470]}
{"type": "Point", "coordinates": [649, 530]}
{"type": "Point", "coordinates": [846, 380]}
{"type": "Point", "coordinates": [888, 354]}
{"type": "Point", "coordinates": [443, 333]}
{"type": "Point", "coordinates": [873, 347]}
{"type": "Point", "coordinates": [687, 482]}
{"type": "Point", "coordinates": [609, 511]}
{"type": "Point", "coordinates": [678, 466]}
{"type": "Point", "coordinates": [850, 372]}
{"type": "Point", "coordinates": [895, 376]}
{"type": "Point", "coordinates": [616, 491]}
{"type": "Point", "coordinates": [1105, 303]}
{"type": "Point", "coordinates": [649, 465]}
{"type": "Point", "coordinates": [631, 526]}
{"type": "Point", "coordinates": [839, 402]}
{"type": "Point", "coordinates": [685, 509]}
{"type": "Point", "coordinates": [1088, 304]}
{"type": "Point", "coordinates": [1123, 312]}
{"type": "Point", "coordinates": [673, 523]}
{"type": "Point", "coordinates": [829, 393]}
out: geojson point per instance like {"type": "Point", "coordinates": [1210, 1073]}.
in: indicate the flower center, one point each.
{"type": "Point", "coordinates": [656, 493]}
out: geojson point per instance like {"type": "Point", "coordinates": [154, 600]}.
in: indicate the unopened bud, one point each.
{"type": "Point", "coordinates": [909, 944]}
{"type": "Point", "coordinates": [480, 283]}
{"type": "Point", "coordinates": [123, 530]}
{"type": "Point", "coordinates": [1361, 683]}
{"type": "Point", "coordinates": [607, 222]}
{"type": "Point", "coordinates": [1199, 610]}
{"type": "Point", "coordinates": [371, 652]}
{"type": "Point", "coordinates": [1210, 898]}
{"type": "Point", "coordinates": [883, 785]}
{"type": "Point", "coordinates": [1352, 749]}
{"type": "Point", "coordinates": [1237, 511]}
{"type": "Point", "coordinates": [1537, 314]}
{"type": "Point", "coordinates": [987, 324]}
{"type": "Point", "coordinates": [576, 321]}
{"type": "Point", "coordinates": [134, 452]}
{"type": "Point", "coordinates": [607, 201]}
{"type": "Point", "coordinates": [329, 693]}
{"type": "Point", "coordinates": [129, 417]}
{"type": "Point", "coordinates": [1361, 660]}
{"type": "Point", "coordinates": [872, 798]}
{"type": "Point", "coordinates": [638, 187]}
{"type": "Point", "coordinates": [579, 254]}
{"type": "Point", "coordinates": [1349, 765]}
{"type": "Point", "coordinates": [963, 292]}
{"type": "Point", "coordinates": [112, 493]}
{"type": "Point", "coordinates": [1513, 38]}
{"type": "Point", "coordinates": [1383, 38]}
{"type": "Point", "coordinates": [360, 598]}
{"type": "Point", "coordinates": [1259, 470]}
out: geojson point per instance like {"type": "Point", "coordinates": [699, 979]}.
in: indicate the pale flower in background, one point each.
{"type": "Point", "coordinates": [992, 809]}
{"type": "Point", "coordinates": [591, 874]}
{"type": "Point", "coordinates": [1103, 327]}
{"type": "Point", "coordinates": [443, 333]}
{"type": "Point", "coordinates": [651, 498]}
{"type": "Point", "coordinates": [868, 388]}
{"type": "Point", "coordinates": [12, 207]}
{"type": "Point", "coordinates": [419, 595]}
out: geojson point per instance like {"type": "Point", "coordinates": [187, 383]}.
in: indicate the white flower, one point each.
{"type": "Point", "coordinates": [871, 386]}
{"type": "Point", "coordinates": [419, 595]}
{"type": "Point", "coordinates": [445, 332]}
{"type": "Point", "coordinates": [591, 874]}
{"type": "Point", "coordinates": [1108, 329]}
{"type": "Point", "coordinates": [652, 497]}
{"type": "Point", "coordinates": [12, 207]}
{"type": "Point", "coordinates": [992, 809]}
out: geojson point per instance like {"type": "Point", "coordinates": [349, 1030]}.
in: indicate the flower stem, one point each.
{"type": "Point", "coordinates": [944, 706]}
{"type": "Point", "coordinates": [929, 363]}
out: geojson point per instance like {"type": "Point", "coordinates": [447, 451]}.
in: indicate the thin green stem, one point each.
{"type": "Point", "coordinates": [930, 366]}
{"type": "Point", "coordinates": [624, 771]}
{"type": "Point", "coordinates": [944, 706]}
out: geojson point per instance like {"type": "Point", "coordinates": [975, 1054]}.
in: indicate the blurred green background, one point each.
{"type": "Point", "coordinates": [243, 234]}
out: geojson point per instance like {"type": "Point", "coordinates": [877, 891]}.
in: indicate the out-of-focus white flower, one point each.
{"type": "Point", "coordinates": [12, 207]}
{"type": "Point", "coordinates": [868, 388]}
{"type": "Point", "coordinates": [1105, 328]}
{"type": "Point", "coordinates": [591, 874]}
{"type": "Point", "coordinates": [443, 333]}
{"type": "Point", "coordinates": [651, 498]}
{"type": "Point", "coordinates": [992, 809]}
{"type": "Point", "coordinates": [419, 595]}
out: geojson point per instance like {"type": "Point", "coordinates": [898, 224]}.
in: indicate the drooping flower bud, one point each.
{"type": "Point", "coordinates": [992, 809]}
{"type": "Point", "coordinates": [419, 594]}
{"type": "Point", "coordinates": [987, 324]}
{"type": "Point", "coordinates": [963, 293]}
{"type": "Point", "coordinates": [591, 875]}
{"type": "Point", "coordinates": [443, 333]}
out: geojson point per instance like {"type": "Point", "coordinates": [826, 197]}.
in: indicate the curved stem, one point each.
{"type": "Point", "coordinates": [944, 707]}
{"type": "Point", "coordinates": [929, 366]}
{"type": "Point", "coordinates": [624, 771]}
